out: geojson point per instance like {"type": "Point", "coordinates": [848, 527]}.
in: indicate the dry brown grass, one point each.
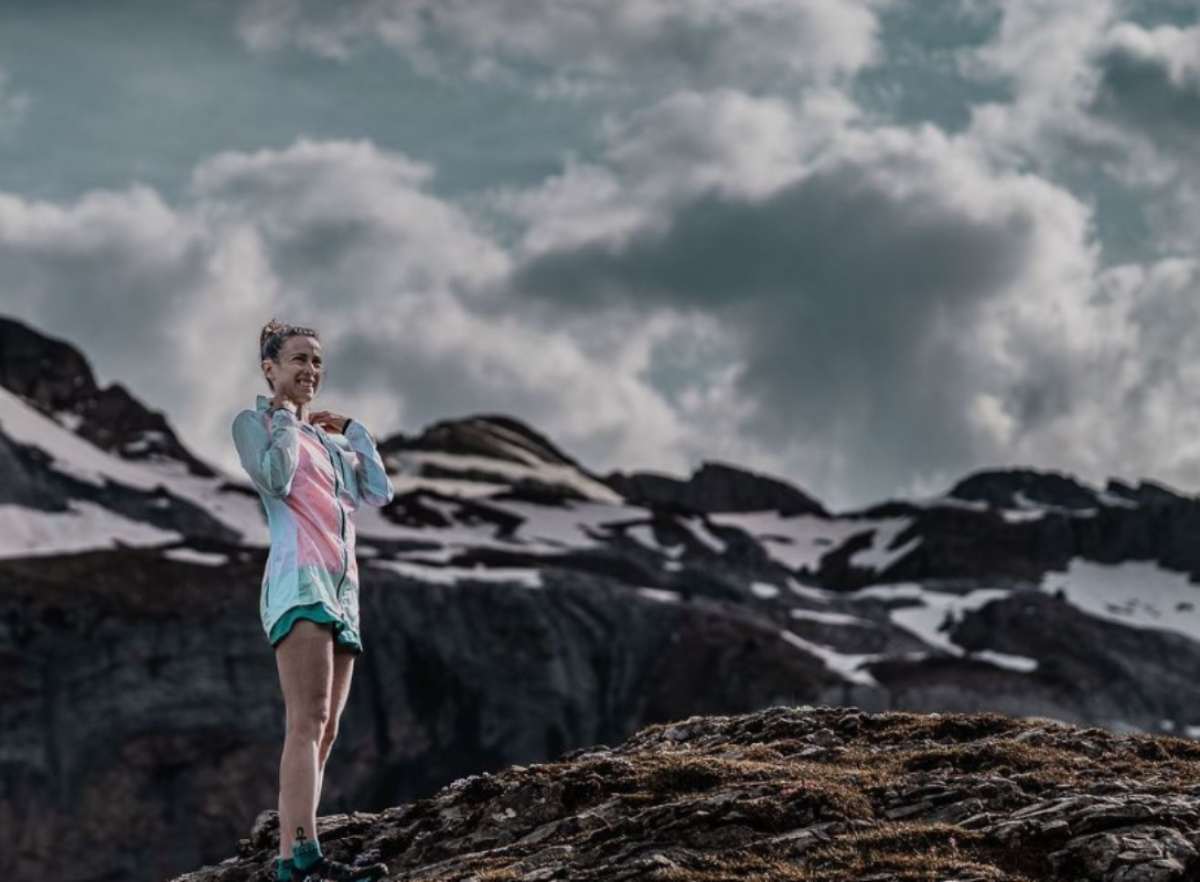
{"type": "Point", "coordinates": [831, 795]}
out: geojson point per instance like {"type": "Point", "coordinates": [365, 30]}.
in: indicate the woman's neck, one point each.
{"type": "Point", "coordinates": [300, 410]}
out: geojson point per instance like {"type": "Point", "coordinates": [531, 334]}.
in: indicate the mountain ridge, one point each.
{"type": "Point", "coordinates": [517, 606]}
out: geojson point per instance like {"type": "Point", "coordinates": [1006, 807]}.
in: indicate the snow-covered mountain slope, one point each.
{"type": "Point", "coordinates": [63, 493]}
{"type": "Point", "coordinates": [55, 378]}
{"type": "Point", "coordinates": [517, 605]}
{"type": "Point", "coordinates": [872, 595]}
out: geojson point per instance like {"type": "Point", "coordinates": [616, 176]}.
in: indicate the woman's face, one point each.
{"type": "Point", "coordinates": [297, 376]}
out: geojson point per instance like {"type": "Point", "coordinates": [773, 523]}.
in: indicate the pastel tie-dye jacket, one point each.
{"type": "Point", "coordinates": [310, 483]}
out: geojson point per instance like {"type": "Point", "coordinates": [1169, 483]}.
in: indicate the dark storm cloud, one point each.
{"type": "Point", "coordinates": [830, 239]}
{"type": "Point", "coordinates": [841, 291]}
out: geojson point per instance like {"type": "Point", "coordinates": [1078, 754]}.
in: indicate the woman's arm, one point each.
{"type": "Point", "coordinates": [269, 459]}
{"type": "Point", "coordinates": [374, 485]}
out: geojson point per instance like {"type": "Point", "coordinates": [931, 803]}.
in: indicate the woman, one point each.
{"type": "Point", "coordinates": [312, 469]}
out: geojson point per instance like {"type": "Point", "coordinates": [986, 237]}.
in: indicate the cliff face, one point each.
{"type": "Point", "coordinates": [143, 722]}
{"type": "Point", "coordinates": [805, 794]}
{"type": "Point", "coordinates": [517, 606]}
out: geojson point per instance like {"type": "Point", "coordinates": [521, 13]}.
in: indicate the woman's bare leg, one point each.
{"type": "Point", "coordinates": [343, 672]}
{"type": "Point", "coordinates": [305, 661]}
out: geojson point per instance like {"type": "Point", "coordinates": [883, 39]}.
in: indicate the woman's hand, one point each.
{"type": "Point", "coordinates": [329, 421]}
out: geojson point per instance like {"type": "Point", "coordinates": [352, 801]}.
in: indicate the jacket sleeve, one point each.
{"type": "Point", "coordinates": [374, 485]}
{"type": "Point", "coordinates": [269, 458]}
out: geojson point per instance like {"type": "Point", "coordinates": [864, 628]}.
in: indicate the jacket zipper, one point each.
{"type": "Point", "coordinates": [342, 528]}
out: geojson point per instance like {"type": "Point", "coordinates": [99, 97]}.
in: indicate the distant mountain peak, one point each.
{"type": "Point", "coordinates": [1031, 488]}
{"type": "Point", "coordinates": [491, 435]}
{"type": "Point", "coordinates": [54, 377]}
{"type": "Point", "coordinates": [715, 487]}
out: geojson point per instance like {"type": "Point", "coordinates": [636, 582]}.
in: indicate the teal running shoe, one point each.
{"type": "Point", "coordinates": [310, 865]}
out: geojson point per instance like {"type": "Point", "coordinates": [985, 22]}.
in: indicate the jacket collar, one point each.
{"type": "Point", "coordinates": [262, 402]}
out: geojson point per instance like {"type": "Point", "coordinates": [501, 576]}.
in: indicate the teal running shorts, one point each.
{"type": "Point", "coordinates": [315, 612]}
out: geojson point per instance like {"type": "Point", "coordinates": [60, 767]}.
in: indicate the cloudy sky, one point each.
{"type": "Point", "coordinates": [868, 246]}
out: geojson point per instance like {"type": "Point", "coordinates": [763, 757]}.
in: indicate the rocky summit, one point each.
{"type": "Point", "coordinates": [796, 793]}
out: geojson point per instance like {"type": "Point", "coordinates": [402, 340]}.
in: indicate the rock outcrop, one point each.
{"type": "Point", "coordinates": [795, 793]}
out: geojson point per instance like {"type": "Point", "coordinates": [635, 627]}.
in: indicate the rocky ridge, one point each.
{"type": "Point", "coordinates": [796, 794]}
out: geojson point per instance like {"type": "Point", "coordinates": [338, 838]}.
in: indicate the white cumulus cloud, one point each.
{"type": "Point", "coordinates": [578, 45]}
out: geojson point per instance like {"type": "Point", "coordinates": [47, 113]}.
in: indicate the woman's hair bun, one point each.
{"type": "Point", "coordinates": [271, 327]}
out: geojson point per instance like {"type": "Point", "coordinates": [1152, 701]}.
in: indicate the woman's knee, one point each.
{"type": "Point", "coordinates": [329, 735]}
{"type": "Point", "coordinates": [309, 721]}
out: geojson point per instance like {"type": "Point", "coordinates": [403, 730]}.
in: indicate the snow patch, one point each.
{"type": "Point", "coordinates": [190, 555]}
{"type": "Point", "coordinates": [763, 589]}
{"type": "Point", "coordinates": [660, 594]}
{"type": "Point", "coordinates": [1140, 594]}
{"type": "Point", "coordinates": [1004, 660]}
{"type": "Point", "coordinates": [878, 556]}
{"type": "Point", "coordinates": [846, 665]}
{"type": "Point", "coordinates": [933, 608]}
{"type": "Point", "coordinates": [799, 542]}
{"type": "Point", "coordinates": [823, 595]}
{"type": "Point", "coordinates": [696, 528]}
{"type": "Point", "coordinates": [543, 472]}
{"type": "Point", "coordinates": [830, 618]}
{"type": "Point", "coordinates": [644, 535]}
{"type": "Point", "coordinates": [29, 532]}
{"type": "Point", "coordinates": [526, 576]}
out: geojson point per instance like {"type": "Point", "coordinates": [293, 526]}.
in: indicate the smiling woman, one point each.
{"type": "Point", "coordinates": [312, 471]}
